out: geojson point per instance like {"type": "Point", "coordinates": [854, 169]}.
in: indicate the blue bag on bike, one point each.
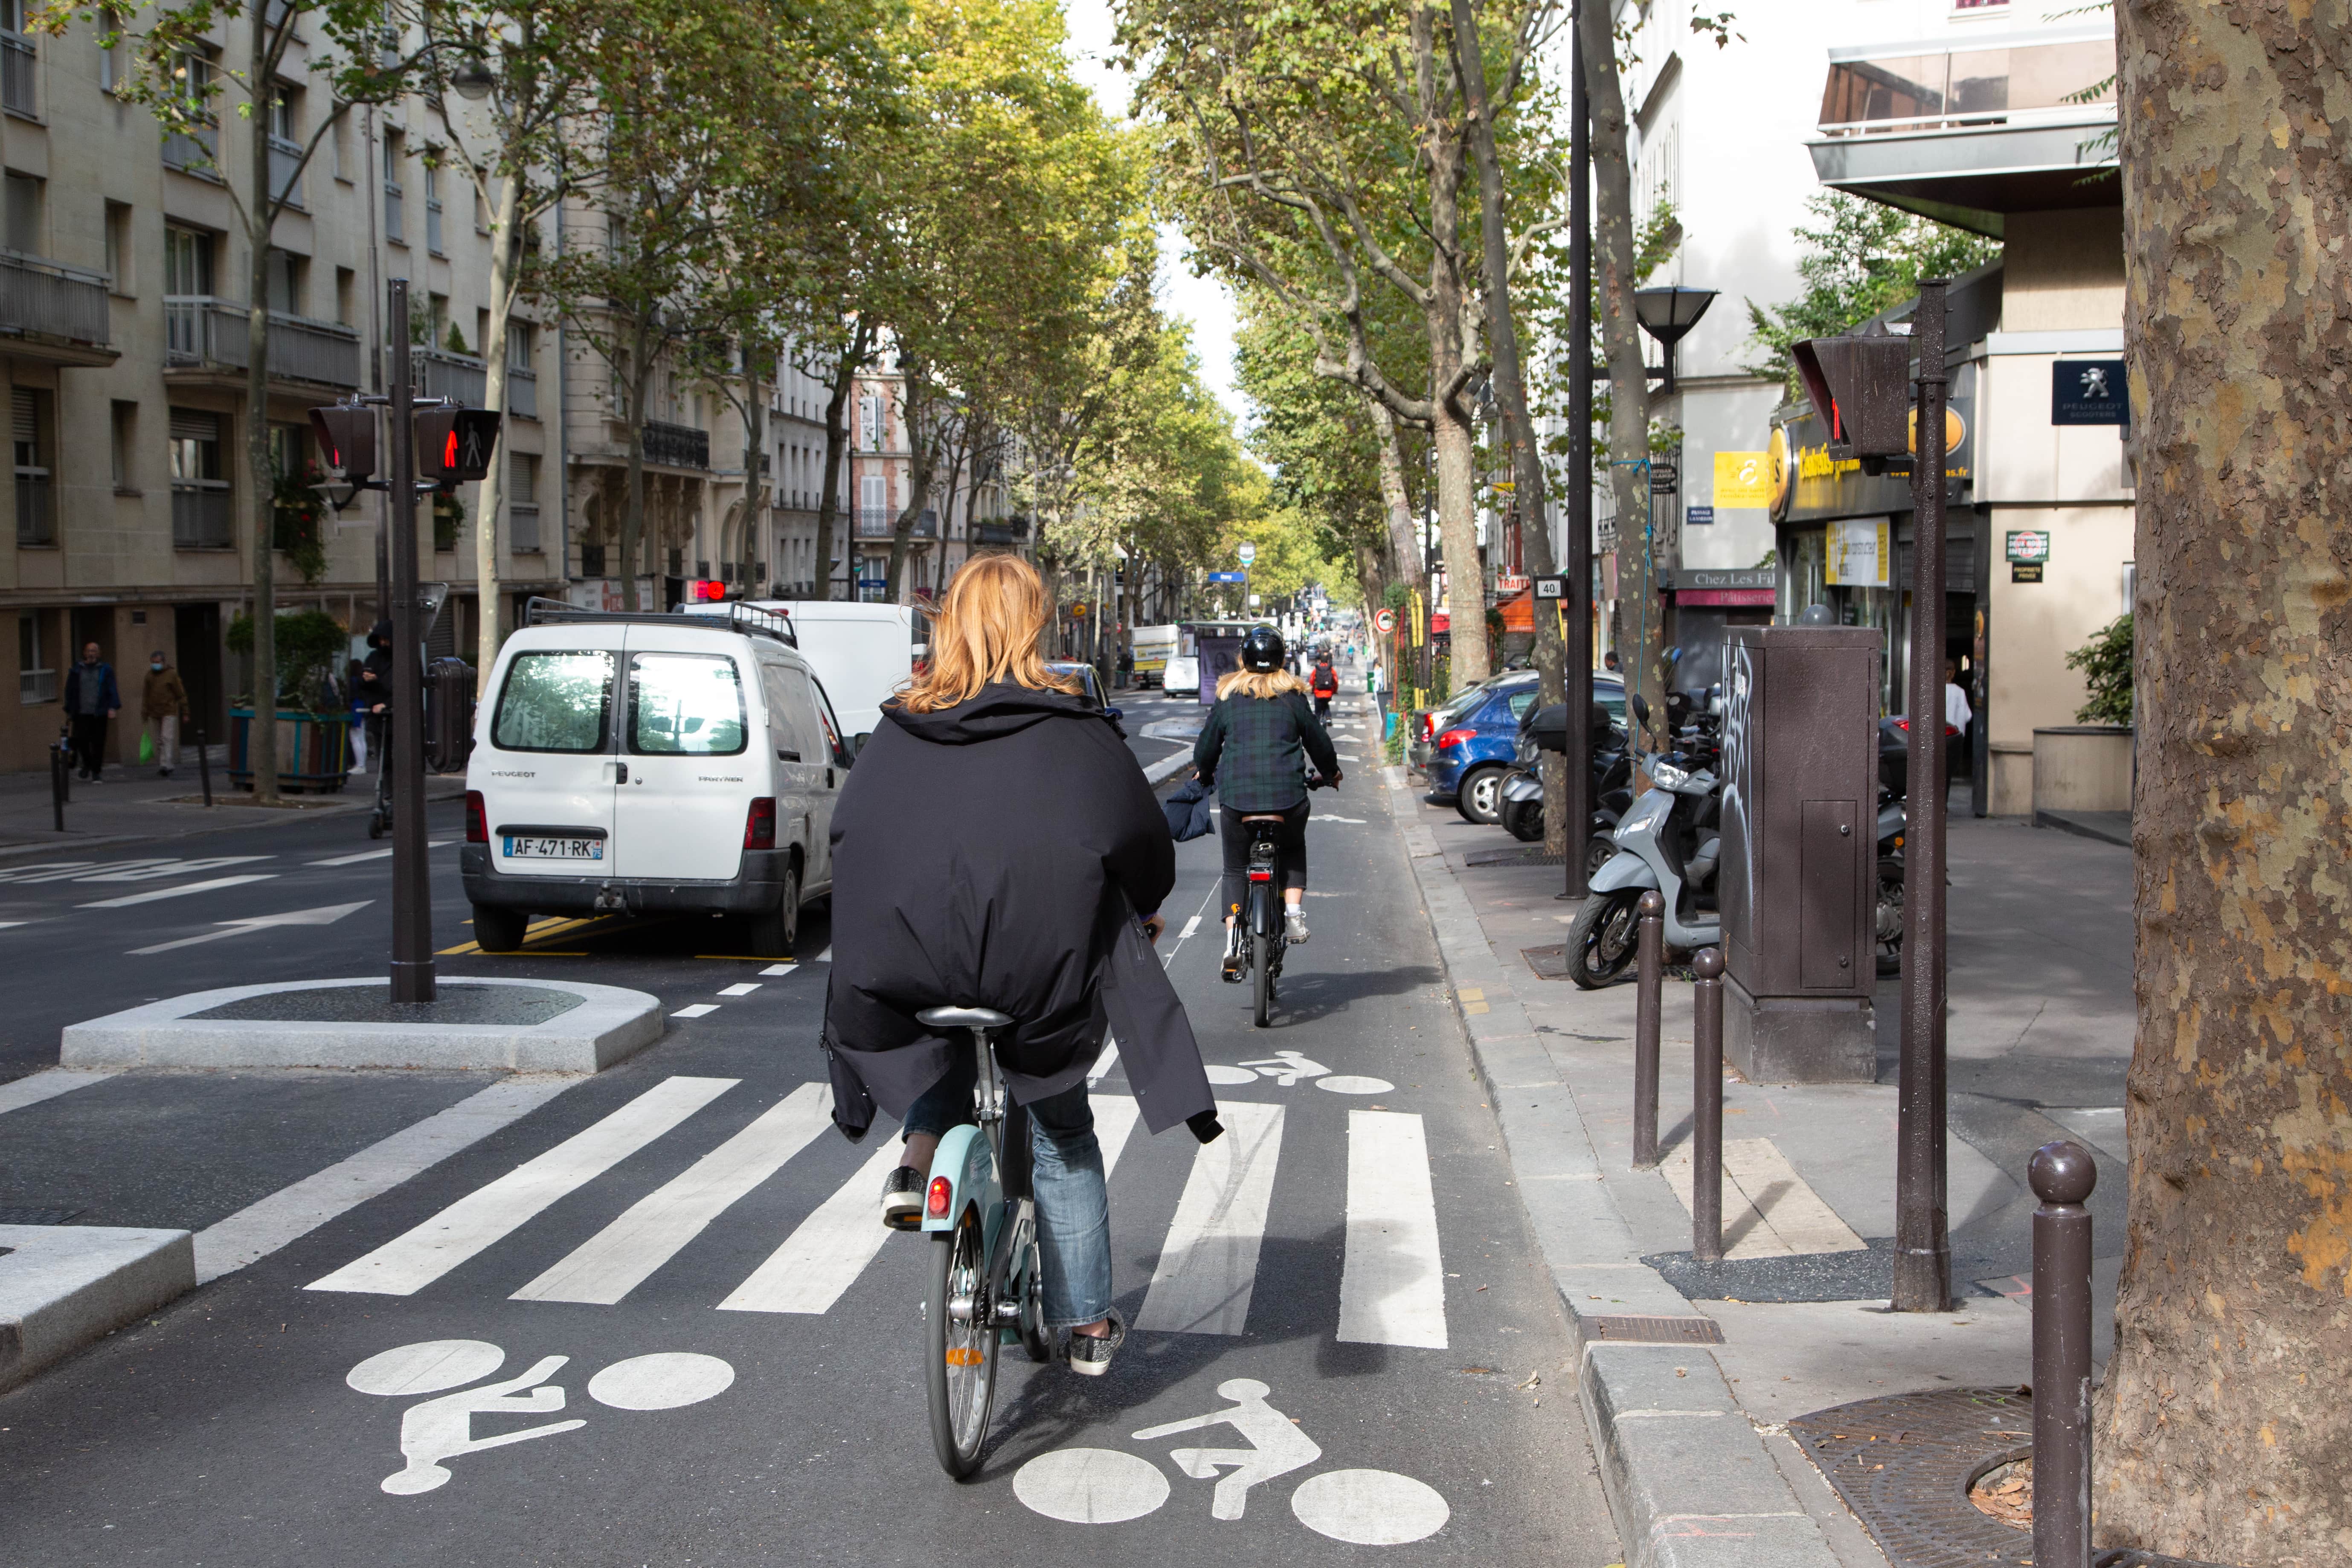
{"type": "Point", "coordinates": [1190, 814]}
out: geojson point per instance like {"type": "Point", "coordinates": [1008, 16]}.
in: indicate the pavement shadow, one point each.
{"type": "Point", "coordinates": [1303, 999]}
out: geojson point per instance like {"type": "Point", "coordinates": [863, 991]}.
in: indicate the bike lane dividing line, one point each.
{"type": "Point", "coordinates": [260, 1228]}
{"type": "Point", "coordinates": [606, 1268]}
{"type": "Point", "coordinates": [409, 1262]}
{"type": "Point", "coordinates": [34, 1088]}
{"type": "Point", "coordinates": [1208, 1265]}
{"type": "Point", "coordinates": [1393, 1283]}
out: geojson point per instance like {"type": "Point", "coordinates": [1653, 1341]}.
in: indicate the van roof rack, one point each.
{"type": "Point", "coordinates": [736, 618]}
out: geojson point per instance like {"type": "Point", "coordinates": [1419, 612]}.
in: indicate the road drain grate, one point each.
{"type": "Point", "coordinates": [30, 1216]}
{"type": "Point", "coordinates": [1627, 1330]}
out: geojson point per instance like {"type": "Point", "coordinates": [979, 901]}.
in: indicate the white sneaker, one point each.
{"type": "Point", "coordinates": [1294, 929]}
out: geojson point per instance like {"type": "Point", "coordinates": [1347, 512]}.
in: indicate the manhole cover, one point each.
{"type": "Point", "coordinates": [1904, 1464]}
{"type": "Point", "coordinates": [28, 1215]}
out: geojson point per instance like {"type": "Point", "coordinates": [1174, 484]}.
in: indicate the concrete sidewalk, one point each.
{"type": "Point", "coordinates": [131, 805]}
{"type": "Point", "coordinates": [1692, 1434]}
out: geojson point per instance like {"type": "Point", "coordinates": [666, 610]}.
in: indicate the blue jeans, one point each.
{"type": "Point", "coordinates": [1065, 1176]}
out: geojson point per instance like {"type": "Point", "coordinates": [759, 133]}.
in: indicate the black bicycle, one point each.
{"type": "Point", "coordinates": [1261, 911]}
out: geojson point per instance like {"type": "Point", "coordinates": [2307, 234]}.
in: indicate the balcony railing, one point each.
{"type": "Point", "coordinates": [522, 393]}
{"type": "Point", "coordinates": [874, 522]}
{"type": "Point", "coordinates": [203, 516]}
{"type": "Point", "coordinates": [17, 75]}
{"type": "Point", "coordinates": [41, 299]}
{"type": "Point", "coordinates": [286, 169]}
{"type": "Point", "coordinates": [194, 153]}
{"type": "Point", "coordinates": [201, 332]}
{"type": "Point", "coordinates": [437, 372]}
{"type": "Point", "coordinates": [522, 528]}
{"type": "Point", "coordinates": [2036, 83]}
{"type": "Point", "coordinates": [393, 203]}
{"type": "Point", "coordinates": [677, 446]}
{"type": "Point", "coordinates": [37, 519]}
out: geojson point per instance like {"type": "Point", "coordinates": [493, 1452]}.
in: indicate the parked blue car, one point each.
{"type": "Point", "coordinates": [1473, 740]}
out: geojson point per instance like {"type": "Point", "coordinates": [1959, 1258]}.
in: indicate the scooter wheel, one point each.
{"type": "Point", "coordinates": [1601, 943]}
{"type": "Point", "coordinates": [375, 826]}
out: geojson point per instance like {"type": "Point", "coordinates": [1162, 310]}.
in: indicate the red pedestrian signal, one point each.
{"type": "Point", "coordinates": [346, 440]}
{"type": "Point", "coordinates": [454, 445]}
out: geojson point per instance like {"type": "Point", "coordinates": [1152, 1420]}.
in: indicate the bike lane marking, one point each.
{"type": "Point", "coordinates": [409, 1262]}
{"type": "Point", "coordinates": [181, 891]}
{"type": "Point", "coordinates": [1208, 1264]}
{"type": "Point", "coordinates": [618, 1258]}
{"type": "Point", "coordinates": [1392, 1281]}
{"type": "Point", "coordinates": [34, 1088]}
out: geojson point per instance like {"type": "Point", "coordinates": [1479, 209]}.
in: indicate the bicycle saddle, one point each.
{"type": "Point", "coordinates": [962, 1018]}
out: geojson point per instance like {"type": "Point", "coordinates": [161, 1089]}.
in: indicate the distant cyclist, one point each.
{"type": "Point", "coordinates": [1324, 683]}
{"type": "Point", "coordinates": [1255, 744]}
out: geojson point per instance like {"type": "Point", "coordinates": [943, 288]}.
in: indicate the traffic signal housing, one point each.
{"type": "Point", "coordinates": [454, 445]}
{"type": "Point", "coordinates": [346, 438]}
{"type": "Point", "coordinates": [1860, 387]}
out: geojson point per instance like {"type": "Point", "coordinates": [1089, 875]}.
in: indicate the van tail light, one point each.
{"type": "Point", "coordinates": [477, 818]}
{"type": "Point", "coordinates": [1455, 737]}
{"type": "Point", "coordinates": [759, 824]}
{"type": "Point", "coordinates": [936, 1202]}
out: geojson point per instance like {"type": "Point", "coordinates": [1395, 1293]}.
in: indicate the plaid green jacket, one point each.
{"type": "Point", "coordinates": [1256, 749]}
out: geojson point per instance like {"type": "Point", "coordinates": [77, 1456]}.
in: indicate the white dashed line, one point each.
{"type": "Point", "coordinates": [779, 969]}
{"type": "Point", "coordinates": [741, 988]}
{"type": "Point", "coordinates": [697, 1011]}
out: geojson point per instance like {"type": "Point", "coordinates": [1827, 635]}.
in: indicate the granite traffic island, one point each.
{"type": "Point", "coordinates": [515, 1025]}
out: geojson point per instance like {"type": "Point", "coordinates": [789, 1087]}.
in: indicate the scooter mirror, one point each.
{"type": "Point", "coordinates": [1641, 707]}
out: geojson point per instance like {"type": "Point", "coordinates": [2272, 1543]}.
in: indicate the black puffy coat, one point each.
{"type": "Point", "coordinates": [994, 855]}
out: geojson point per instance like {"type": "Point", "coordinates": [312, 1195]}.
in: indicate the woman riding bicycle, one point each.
{"type": "Point", "coordinates": [992, 844]}
{"type": "Point", "coordinates": [1262, 731]}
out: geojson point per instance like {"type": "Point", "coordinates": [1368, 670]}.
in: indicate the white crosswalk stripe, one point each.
{"type": "Point", "coordinates": [624, 1254]}
{"type": "Point", "coordinates": [407, 1263]}
{"type": "Point", "coordinates": [1208, 1265]}
{"type": "Point", "coordinates": [1392, 1286]}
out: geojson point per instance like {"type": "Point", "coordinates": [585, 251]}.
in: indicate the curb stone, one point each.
{"type": "Point", "coordinates": [1689, 1482]}
{"type": "Point", "coordinates": [66, 1286]}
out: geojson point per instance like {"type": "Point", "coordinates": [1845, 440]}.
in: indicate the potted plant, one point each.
{"type": "Point", "coordinates": [312, 711]}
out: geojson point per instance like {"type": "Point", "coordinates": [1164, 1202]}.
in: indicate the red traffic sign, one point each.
{"type": "Point", "coordinates": [1384, 620]}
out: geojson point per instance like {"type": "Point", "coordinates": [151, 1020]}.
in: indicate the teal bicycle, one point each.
{"type": "Point", "coordinates": [986, 1287]}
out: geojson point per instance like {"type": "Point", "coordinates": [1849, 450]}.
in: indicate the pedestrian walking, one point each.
{"type": "Point", "coordinates": [93, 698]}
{"type": "Point", "coordinates": [374, 692]}
{"type": "Point", "coordinates": [162, 704]}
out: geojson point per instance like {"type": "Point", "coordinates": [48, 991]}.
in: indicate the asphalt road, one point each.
{"type": "Point", "coordinates": [1347, 1272]}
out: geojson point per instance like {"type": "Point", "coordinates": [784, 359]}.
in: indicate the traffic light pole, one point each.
{"type": "Point", "coordinates": [411, 890]}
{"type": "Point", "coordinates": [1576, 559]}
{"type": "Point", "coordinates": [1923, 1247]}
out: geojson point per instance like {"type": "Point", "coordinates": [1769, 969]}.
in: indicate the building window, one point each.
{"type": "Point", "coordinates": [346, 287]}
{"type": "Point", "coordinates": [339, 149]}
{"type": "Point", "coordinates": [869, 419]}
{"type": "Point", "coordinates": [36, 678]}
{"type": "Point", "coordinates": [522, 344]}
{"type": "Point", "coordinates": [392, 197]}
{"type": "Point", "coordinates": [20, 214]}
{"type": "Point", "coordinates": [192, 151]}
{"type": "Point", "coordinates": [592, 561]}
{"type": "Point", "coordinates": [17, 61]}
{"type": "Point", "coordinates": [283, 271]}
{"type": "Point", "coordinates": [120, 250]}
{"type": "Point", "coordinates": [201, 502]}
{"type": "Point", "coordinates": [36, 512]}
{"type": "Point", "coordinates": [286, 143]}
{"type": "Point", "coordinates": [433, 205]}
{"type": "Point", "coordinates": [523, 503]}
{"type": "Point", "coordinates": [123, 432]}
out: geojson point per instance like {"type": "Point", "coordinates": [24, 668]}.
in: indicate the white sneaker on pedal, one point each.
{"type": "Point", "coordinates": [1294, 928]}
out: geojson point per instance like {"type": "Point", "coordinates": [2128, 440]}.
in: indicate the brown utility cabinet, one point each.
{"type": "Point", "coordinates": [1798, 877]}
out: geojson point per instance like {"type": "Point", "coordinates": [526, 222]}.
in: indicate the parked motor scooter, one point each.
{"type": "Point", "coordinates": [1612, 778]}
{"type": "Point", "coordinates": [1669, 842]}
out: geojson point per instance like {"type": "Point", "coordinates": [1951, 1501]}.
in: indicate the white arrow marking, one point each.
{"type": "Point", "coordinates": [325, 915]}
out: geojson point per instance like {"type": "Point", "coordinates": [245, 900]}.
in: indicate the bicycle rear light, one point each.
{"type": "Point", "coordinates": [936, 1204]}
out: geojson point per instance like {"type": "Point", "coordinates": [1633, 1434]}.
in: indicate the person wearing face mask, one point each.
{"type": "Point", "coordinates": [163, 702]}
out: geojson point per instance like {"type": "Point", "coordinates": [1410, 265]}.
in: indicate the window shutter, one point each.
{"type": "Point", "coordinates": [194, 425]}
{"type": "Point", "coordinates": [26, 407]}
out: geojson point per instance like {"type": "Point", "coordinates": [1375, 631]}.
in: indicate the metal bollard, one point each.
{"type": "Point", "coordinates": [1650, 968]}
{"type": "Point", "coordinates": [2062, 1174]}
{"type": "Point", "coordinates": [59, 790]}
{"type": "Point", "coordinates": [205, 766]}
{"type": "Point", "coordinates": [1707, 1107]}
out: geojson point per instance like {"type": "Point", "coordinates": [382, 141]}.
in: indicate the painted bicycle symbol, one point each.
{"type": "Point", "coordinates": [1110, 1486]}
{"type": "Point", "coordinates": [1290, 1069]}
{"type": "Point", "coordinates": [440, 1429]}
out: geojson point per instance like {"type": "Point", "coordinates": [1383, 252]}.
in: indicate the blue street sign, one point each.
{"type": "Point", "coordinates": [1228, 577]}
{"type": "Point", "coordinates": [1698, 516]}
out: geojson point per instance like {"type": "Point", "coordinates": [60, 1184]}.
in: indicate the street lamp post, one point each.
{"type": "Point", "coordinates": [1575, 561]}
{"type": "Point", "coordinates": [1666, 313]}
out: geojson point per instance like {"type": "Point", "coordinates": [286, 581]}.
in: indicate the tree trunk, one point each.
{"type": "Point", "coordinates": [1395, 500]}
{"type": "Point", "coordinates": [1511, 400]}
{"type": "Point", "coordinates": [632, 511]}
{"type": "Point", "coordinates": [2225, 1430]}
{"type": "Point", "coordinates": [1458, 478]}
{"type": "Point", "coordinates": [490, 522]}
{"type": "Point", "coordinates": [261, 747]}
{"type": "Point", "coordinates": [1638, 633]}
{"type": "Point", "coordinates": [922, 451]}
{"type": "Point", "coordinates": [836, 442]}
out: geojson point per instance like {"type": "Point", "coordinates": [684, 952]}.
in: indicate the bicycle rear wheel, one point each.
{"type": "Point", "coordinates": [960, 1355]}
{"type": "Point", "coordinates": [1262, 975]}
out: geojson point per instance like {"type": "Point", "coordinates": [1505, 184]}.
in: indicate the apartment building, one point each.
{"type": "Point", "coordinates": [122, 341]}
{"type": "Point", "coordinates": [972, 513]}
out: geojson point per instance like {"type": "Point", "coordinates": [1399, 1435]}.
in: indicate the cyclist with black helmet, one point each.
{"type": "Point", "coordinates": [1255, 747]}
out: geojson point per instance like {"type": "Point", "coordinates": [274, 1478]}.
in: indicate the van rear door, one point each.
{"type": "Point", "coordinates": [685, 735]}
{"type": "Point", "coordinates": [547, 775]}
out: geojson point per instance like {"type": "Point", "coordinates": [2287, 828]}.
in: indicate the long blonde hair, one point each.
{"type": "Point", "coordinates": [1258, 683]}
{"type": "Point", "coordinates": [986, 631]}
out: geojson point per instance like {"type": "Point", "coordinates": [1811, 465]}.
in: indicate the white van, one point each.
{"type": "Point", "coordinates": [648, 763]}
{"type": "Point", "coordinates": [862, 653]}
